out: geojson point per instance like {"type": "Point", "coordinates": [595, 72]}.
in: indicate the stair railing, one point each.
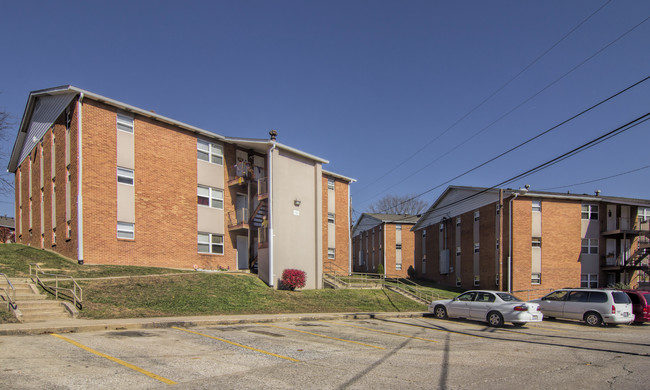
{"type": "Point", "coordinates": [68, 284]}
{"type": "Point", "coordinates": [410, 287]}
{"type": "Point", "coordinates": [8, 293]}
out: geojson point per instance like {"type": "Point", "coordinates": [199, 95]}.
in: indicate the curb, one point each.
{"type": "Point", "coordinates": [79, 325]}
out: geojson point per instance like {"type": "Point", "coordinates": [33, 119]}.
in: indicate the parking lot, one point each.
{"type": "Point", "coordinates": [414, 353]}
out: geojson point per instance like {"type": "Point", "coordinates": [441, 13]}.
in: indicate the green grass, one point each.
{"type": "Point", "coordinates": [155, 292]}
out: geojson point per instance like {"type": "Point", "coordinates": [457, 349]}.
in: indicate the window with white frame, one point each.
{"type": "Point", "coordinates": [536, 278]}
{"type": "Point", "coordinates": [330, 218]}
{"type": "Point", "coordinates": [424, 244]}
{"type": "Point", "coordinates": [398, 247]}
{"type": "Point", "coordinates": [477, 215]}
{"type": "Point", "coordinates": [210, 197]}
{"type": "Point", "coordinates": [590, 246]}
{"type": "Point", "coordinates": [442, 227]}
{"type": "Point", "coordinates": [330, 184]}
{"type": "Point", "coordinates": [331, 253]}
{"type": "Point", "coordinates": [477, 280]}
{"type": "Point", "coordinates": [498, 208]}
{"type": "Point", "coordinates": [589, 280]}
{"type": "Point", "coordinates": [537, 205]}
{"type": "Point", "coordinates": [589, 211]}
{"type": "Point", "coordinates": [537, 242]}
{"type": "Point", "coordinates": [125, 176]}
{"type": "Point", "coordinates": [125, 230]}
{"type": "Point", "coordinates": [398, 227]}
{"type": "Point", "coordinates": [458, 221]}
{"type": "Point", "coordinates": [643, 213]}
{"type": "Point", "coordinates": [457, 251]}
{"type": "Point", "coordinates": [125, 123]}
{"type": "Point", "coordinates": [477, 247]}
{"type": "Point", "coordinates": [209, 152]}
{"type": "Point", "coordinates": [210, 243]}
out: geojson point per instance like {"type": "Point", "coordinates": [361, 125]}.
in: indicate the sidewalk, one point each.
{"type": "Point", "coordinates": [75, 325]}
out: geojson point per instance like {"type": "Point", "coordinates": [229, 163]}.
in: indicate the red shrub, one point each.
{"type": "Point", "coordinates": [293, 279]}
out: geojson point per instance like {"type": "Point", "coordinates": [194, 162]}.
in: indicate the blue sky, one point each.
{"type": "Point", "coordinates": [364, 84]}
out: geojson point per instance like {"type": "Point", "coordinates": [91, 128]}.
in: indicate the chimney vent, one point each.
{"type": "Point", "coordinates": [273, 134]}
{"type": "Point", "coordinates": [597, 192]}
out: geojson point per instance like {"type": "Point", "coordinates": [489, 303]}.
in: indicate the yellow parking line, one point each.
{"type": "Point", "coordinates": [383, 331]}
{"type": "Point", "coordinates": [116, 360]}
{"type": "Point", "coordinates": [238, 345]}
{"type": "Point", "coordinates": [327, 337]}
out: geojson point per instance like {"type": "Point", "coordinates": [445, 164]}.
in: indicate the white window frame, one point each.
{"type": "Point", "coordinates": [589, 211]}
{"type": "Point", "coordinates": [458, 221]}
{"type": "Point", "coordinates": [477, 247]}
{"type": "Point", "coordinates": [458, 251]}
{"type": "Point", "coordinates": [330, 184]}
{"type": "Point", "coordinates": [536, 278]}
{"type": "Point", "coordinates": [589, 280]}
{"type": "Point", "coordinates": [537, 205]}
{"type": "Point", "coordinates": [125, 230]}
{"type": "Point", "coordinates": [477, 215]}
{"type": "Point", "coordinates": [213, 153]}
{"type": "Point", "coordinates": [441, 227]}
{"type": "Point", "coordinates": [214, 196]}
{"type": "Point", "coordinates": [536, 242]}
{"type": "Point", "coordinates": [331, 253]}
{"type": "Point", "coordinates": [398, 227]}
{"type": "Point", "coordinates": [589, 246]}
{"type": "Point", "coordinates": [477, 280]}
{"type": "Point", "coordinates": [331, 218]}
{"type": "Point", "coordinates": [125, 176]}
{"type": "Point", "coordinates": [213, 242]}
{"type": "Point", "coordinates": [125, 123]}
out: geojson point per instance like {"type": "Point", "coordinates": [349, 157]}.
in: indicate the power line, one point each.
{"type": "Point", "coordinates": [536, 136]}
{"type": "Point", "coordinates": [619, 130]}
{"type": "Point", "coordinates": [487, 98]}
{"type": "Point", "coordinates": [595, 180]}
{"type": "Point", "coordinates": [512, 110]}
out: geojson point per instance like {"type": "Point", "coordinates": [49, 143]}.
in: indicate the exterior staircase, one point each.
{"type": "Point", "coordinates": [34, 306]}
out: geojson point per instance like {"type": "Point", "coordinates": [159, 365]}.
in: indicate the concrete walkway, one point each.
{"type": "Point", "coordinates": [73, 325]}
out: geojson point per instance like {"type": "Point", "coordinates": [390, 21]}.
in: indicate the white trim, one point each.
{"type": "Point", "coordinates": [80, 220]}
{"type": "Point", "coordinates": [270, 232]}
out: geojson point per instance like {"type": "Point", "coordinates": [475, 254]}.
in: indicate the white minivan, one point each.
{"type": "Point", "coordinates": [593, 306]}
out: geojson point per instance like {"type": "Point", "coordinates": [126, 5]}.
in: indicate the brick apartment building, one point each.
{"type": "Point", "coordinates": [104, 182]}
{"type": "Point", "coordinates": [384, 239]}
{"type": "Point", "coordinates": [558, 240]}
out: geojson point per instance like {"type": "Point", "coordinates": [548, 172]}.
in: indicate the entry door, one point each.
{"type": "Point", "coordinates": [242, 252]}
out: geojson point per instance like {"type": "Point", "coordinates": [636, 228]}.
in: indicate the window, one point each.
{"type": "Point", "coordinates": [331, 253]}
{"type": "Point", "coordinates": [590, 246]}
{"type": "Point", "coordinates": [125, 176]}
{"type": "Point", "coordinates": [458, 281]}
{"type": "Point", "coordinates": [125, 123]}
{"type": "Point", "coordinates": [210, 243]}
{"type": "Point", "coordinates": [589, 280]}
{"type": "Point", "coordinates": [537, 242]}
{"type": "Point", "coordinates": [330, 184]}
{"type": "Point", "coordinates": [398, 247]}
{"type": "Point", "coordinates": [477, 280]}
{"type": "Point", "coordinates": [457, 251]}
{"type": "Point", "coordinates": [477, 247]}
{"type": "Point", "coordinates": [537, 205]}
{"type": "Point", "coordinates": [210, 197]}
{"type": "Point", "coordinates": [125, 230]}
{"type": "Point", "coordinates": [209, 152]}
{"type": "Point", "coordinates": [330, 218]}
{"type": "Point", "coordinates": [477, 215]}
{"type": "Point", "coordinates": [442, 227]}
{"type": "Point", "coordinates": [643, 214]}
{"type": "Point", "coordinates": [498, 209]}
{"type": "Point", "coordinates": [398, 227]}
{"type": "Point", "coordinates": [536, 278]}
{"type": "Point", "coordinates": [497, 242]}
{"type": "Point", "coordinates": [458, 221]}
{"type": "Point", "coordinates": [589, 211]}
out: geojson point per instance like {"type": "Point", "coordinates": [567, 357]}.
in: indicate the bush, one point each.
{"type": "Point", "coordinates": [380, 269]}
{"type": "Point", "coordinates": [293, 279]}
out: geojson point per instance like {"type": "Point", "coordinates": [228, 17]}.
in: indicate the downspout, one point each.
{"type": "Point", "coordinates": [80, 220]}
{"type": "Point", "coordinates": [384, 246]}
{"type": "Point", "coordinates": [349, 234]}
{"type": "Point", "coordinates": [510, 244]}
{"type": "Point", "coordinates": [270, 232]}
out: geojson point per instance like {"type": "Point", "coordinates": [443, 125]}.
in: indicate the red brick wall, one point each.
{"type": "Point", "coordinates": [341, 221]}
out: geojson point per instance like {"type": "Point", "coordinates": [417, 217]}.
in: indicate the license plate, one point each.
{"type": "Point", "coordinates": [626, 314]}
{"type": "Point", "coordinates": [535, 317]}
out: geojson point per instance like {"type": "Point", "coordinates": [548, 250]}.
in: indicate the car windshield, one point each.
{"type": "Point", "coordinates": [508, 297]}
{"type": "Point", "coordinates": [620, 297]}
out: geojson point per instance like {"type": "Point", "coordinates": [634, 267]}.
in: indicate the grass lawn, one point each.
{"type": "Point", "coordinates": [154, 292]}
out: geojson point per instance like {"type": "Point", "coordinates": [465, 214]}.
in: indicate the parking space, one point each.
{"type": "Point", "coordinates": [380, 353]}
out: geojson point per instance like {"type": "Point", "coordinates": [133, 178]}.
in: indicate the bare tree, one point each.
{"type": "Point", "coordinates": [399, 204]}
{"type": "Point", "coordinates": [6, 182]}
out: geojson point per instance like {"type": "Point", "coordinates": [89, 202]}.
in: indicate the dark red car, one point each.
{"type": "Point", "coordinates": [640, 304]}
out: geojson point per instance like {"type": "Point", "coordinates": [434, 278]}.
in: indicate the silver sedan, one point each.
{"type": "Point", "coordinates": [494, 307]}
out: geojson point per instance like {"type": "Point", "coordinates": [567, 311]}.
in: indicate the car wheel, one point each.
{"type": "Point", "coordinates": [495, 319]}
{"type": "Point", "coordinates": [440, 312]}
{"type": "Point", "coordinates": [593, 319]}
{"type": "Point", "coordinates": [518, 324]}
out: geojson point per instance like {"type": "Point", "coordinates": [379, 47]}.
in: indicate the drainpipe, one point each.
{"type": "Point", "coordinates": [80, 220]}
{"type": "Point", "coordinates": [349, 234]}
{"type": "Point", "coordinates": [270, 232]}
{"type": "Point", "coordinates": [510, 244]}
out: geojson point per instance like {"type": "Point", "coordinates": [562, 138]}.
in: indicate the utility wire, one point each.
{"type": "Point", "coordinates": [540, 134]}
{"type": "Point", "coordinates": [509, 112]}
{"type": "Point", "coordinates": [596, 180]}
{"type": "Point", "coordinates": [619, 130]}
{"type": "Point", "coordinates": [487, 98]}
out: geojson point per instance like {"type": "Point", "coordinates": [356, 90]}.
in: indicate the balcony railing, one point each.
{"type": "Point", "coordinates": [238, 217]}
{"type": "Point", "coordinates": [262, 187]}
